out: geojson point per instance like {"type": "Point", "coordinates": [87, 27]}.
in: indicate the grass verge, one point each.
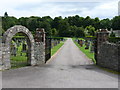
{"type": "Point", "coordinates": [85, 51]}
{"type": "Point", "coordinates": [91, 56]}
{"type": "Point", "coordinates": [56, 48]}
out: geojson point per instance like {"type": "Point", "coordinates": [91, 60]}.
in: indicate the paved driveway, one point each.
{"type": "Point", "coordinates": [69, 68]}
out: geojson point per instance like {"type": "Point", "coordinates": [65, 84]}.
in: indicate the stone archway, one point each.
{"type": "Point", "coordinates": [7, 37]}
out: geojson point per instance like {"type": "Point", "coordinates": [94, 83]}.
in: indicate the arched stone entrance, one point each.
{"type": "Point", "coordinates": [7, 37]}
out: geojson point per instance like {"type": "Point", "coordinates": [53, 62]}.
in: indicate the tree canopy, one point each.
{"type": "Point", "coordinates": [71, 26]}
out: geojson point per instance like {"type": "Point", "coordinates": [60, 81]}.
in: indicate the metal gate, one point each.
{"type": "Point", "coordinates": [95, 49]}
{"type": "Point", "coordinates": [47, 49]}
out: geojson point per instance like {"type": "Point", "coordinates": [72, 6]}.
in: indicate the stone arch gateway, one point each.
{"type": "Point", "coordinates": [7, 37]}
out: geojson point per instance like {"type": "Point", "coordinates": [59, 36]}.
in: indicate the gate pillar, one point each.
{"type": "Point", "coordinates": [40, 46]}
{"type": "Point", "coordinates": [101, 36]}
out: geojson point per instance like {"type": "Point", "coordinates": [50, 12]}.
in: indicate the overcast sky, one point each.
{"type": "Point", "coordinates": [93, 8]}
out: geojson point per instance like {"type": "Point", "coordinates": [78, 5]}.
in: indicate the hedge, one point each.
{"type": "Point", "coordinates": [114, 39]}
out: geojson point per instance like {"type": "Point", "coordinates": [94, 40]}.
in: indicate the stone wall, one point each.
{"type": "Point", "coordinates": [1, 55]}
{"type": "Point", "coordinates": [109, 55]}
{"type": "Point", "coordinates": [36, 50]}
{"type": "Point", "coordinates": [39, 53]}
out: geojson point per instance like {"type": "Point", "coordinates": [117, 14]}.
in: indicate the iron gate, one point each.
{"type": "Point", "coordinates": [47, 49]}
{"type": "Point", "coordinates": [95, 49]}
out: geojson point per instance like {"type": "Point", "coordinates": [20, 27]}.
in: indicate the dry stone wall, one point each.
{"type": "Point", "coordinates": [109, 56]}
{"type": "Point", "coordinates": [39, 53]}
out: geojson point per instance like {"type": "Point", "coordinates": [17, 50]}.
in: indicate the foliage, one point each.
{"type": "Point", "coordinates": [71, 26]}
{"type": "Point", "coordinates": [58, 38]}
{"type": "Point", "coordinates": [90, 31]}
{"type": "Point", "coordinates": [63, 28]}
{"type": "Point", "coordinates": [56, 48]}
{"type": "Point", "coordinates": [106, 24]}
{"type": "Point", "coordinates": [75, 31]}
{"type": "Point", "coordinates": [116, 23]}
{"type": "Point", "coordinates": [54, 32]}
{"type": "Point", "coordinates": [86, 52]}
{"type": "Point", "coordinates": [112, 34]}
{"type": "Point", "coordinates": [80, 32]}
{"type": "Point", "coordinates": [114, 39]}
{"type": "Point", "coordinates": [55, 22]}
{"type": "Point", "coordinates": [8, 22]}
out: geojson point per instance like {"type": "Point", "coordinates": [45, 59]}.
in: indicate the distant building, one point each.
{"type": "Point", "coordinates": [117, 33]}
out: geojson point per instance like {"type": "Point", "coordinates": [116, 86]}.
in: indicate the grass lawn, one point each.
{"type": "Point", "coordinates": [18, 60]}
{"type": "Point", "coordinates": [55, 49]}
{"type": "Point", "coordinates": [19, 57]}
{"type": "Point", "coordinates": [21, 61]}
{"type": "Point", "coordinates": [86, 52]}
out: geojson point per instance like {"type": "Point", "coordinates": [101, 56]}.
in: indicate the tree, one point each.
{"type": "Point", "coordinates": [90, 31]}
{"type": "Point", "coordinates": [8, 22]}
{"type": "Point", "coordinates": [54, 32]}
{"type": "Point", "coordinates": [72, 31]}
{"type": "Point", "coordinates": [46, 26]}
{"type": "Point", "coordinates": [32, 24]}
{"type": "Point", "coordinates": [116, 23]}
{"type": "Point", "coordinates": [105, 24]}
{"type": "Point", "coordinates": [5, 15]}
{"type": "Point", "coordinates": [63, 28]}
{"type": "Point", "coordinates": [112, 34]}
{"type": "Point", "coordinates": [75, 20]}
{"type": "Point", "coordinates": [80, 32]}
{"type": "Point", "coordinates": [23, 21]}
{"type": "Point", "coordinates": [55, 22]}
{"type": "Point", "coordinates": [96, 23]}
{"type": "Point", "coordinates": [88, 21]}
{"type": "Point", "coordinates": [47, 19]}
{"type": "Point", "coordinates": [69, 26]}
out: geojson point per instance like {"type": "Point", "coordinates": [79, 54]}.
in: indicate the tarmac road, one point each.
{"type": "Point", "coordinates": [69, 68]}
